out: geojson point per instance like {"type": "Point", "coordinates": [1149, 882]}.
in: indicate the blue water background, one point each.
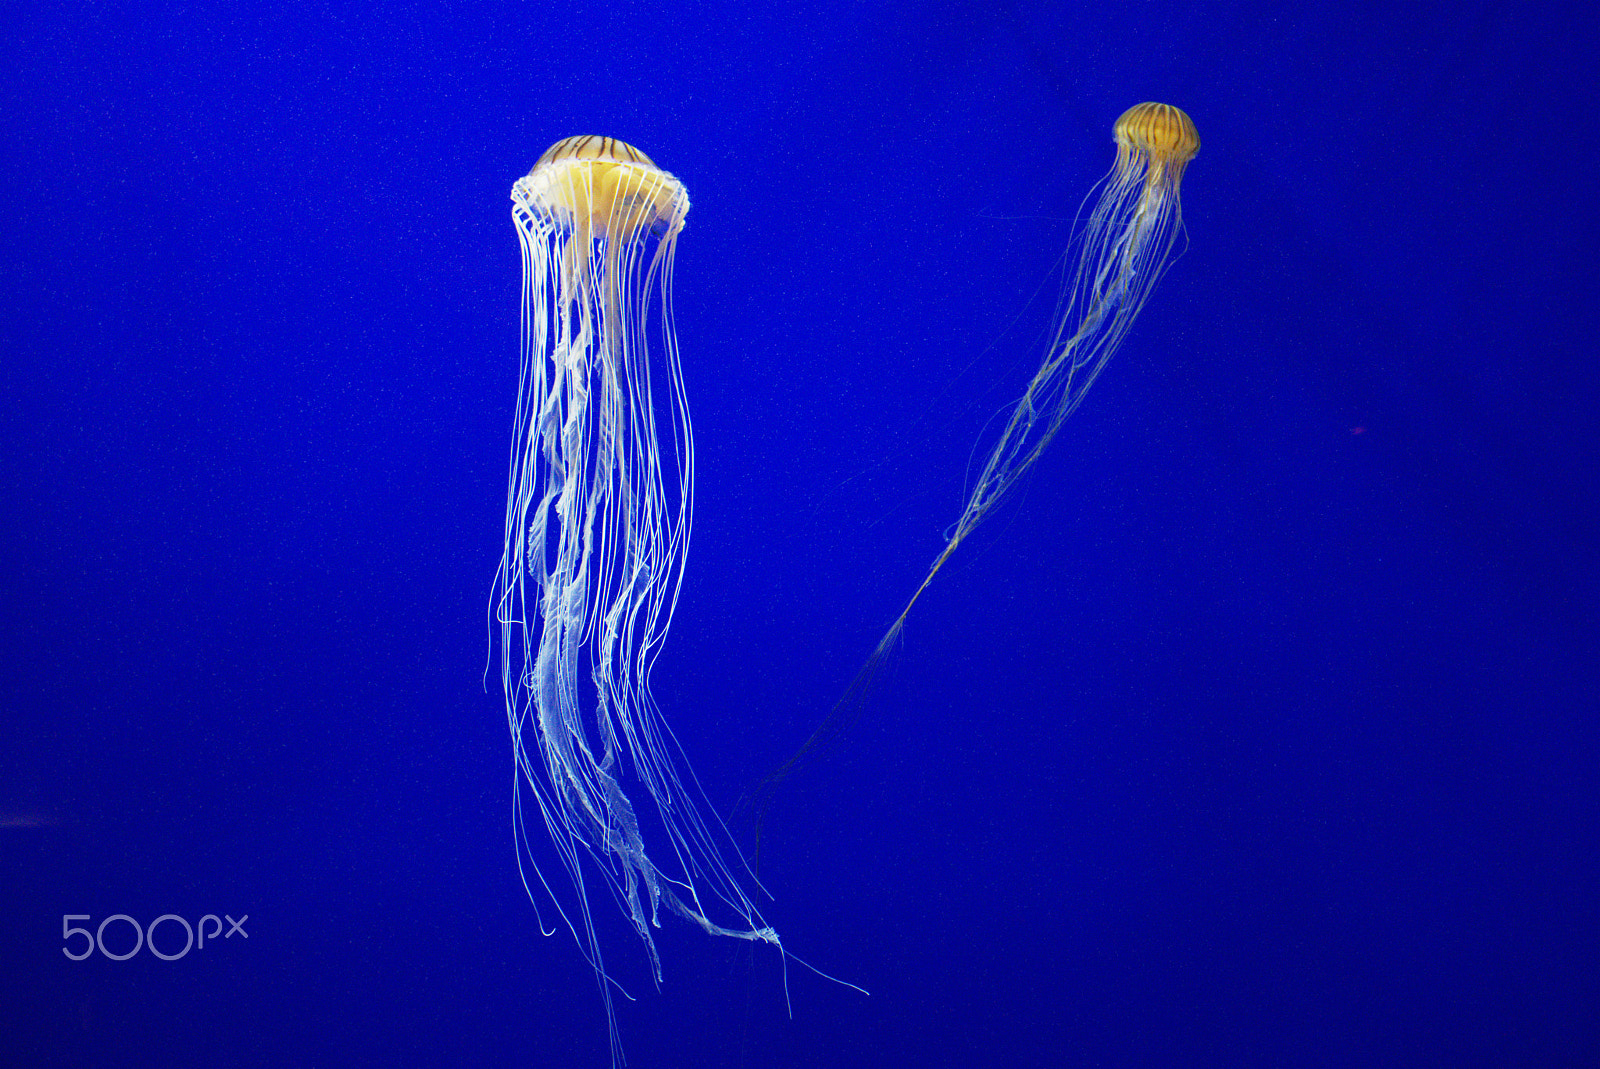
{"type": "Point", "coordinates": [1258, 729]}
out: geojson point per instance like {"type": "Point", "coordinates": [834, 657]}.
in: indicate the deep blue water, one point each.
{"type": "Point", "coordinates": [1258, 729]}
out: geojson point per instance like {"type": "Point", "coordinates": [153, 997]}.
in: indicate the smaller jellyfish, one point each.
{"type": "Point", "coordinates": [598, 511]}
{"type": "Point", "coordinates": [1126, 247]}
{"type": "Point", "coordinates": [1123, 249]}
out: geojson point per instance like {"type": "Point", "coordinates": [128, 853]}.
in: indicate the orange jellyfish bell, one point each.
{"type": "Point", "coordinates": [604, 187]}
{"type": "Point", "coordinates": [1159, 135]}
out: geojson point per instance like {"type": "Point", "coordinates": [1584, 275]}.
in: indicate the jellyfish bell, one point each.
{"type": "Point", "coordinates": [603, 187]}
{"type": "Point", "coordinates": [1157, 137]}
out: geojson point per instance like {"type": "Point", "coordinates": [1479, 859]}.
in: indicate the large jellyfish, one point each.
{"type": "Point", "coordinates": [597, 527]}
{"type": "Point", "coordinates": [1124, 248]}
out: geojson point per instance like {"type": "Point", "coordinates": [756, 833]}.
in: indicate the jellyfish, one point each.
{"type": "Point", "coordinates": [598, 511]}
{"type": "Point", "coordinates": [1124, 248]}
